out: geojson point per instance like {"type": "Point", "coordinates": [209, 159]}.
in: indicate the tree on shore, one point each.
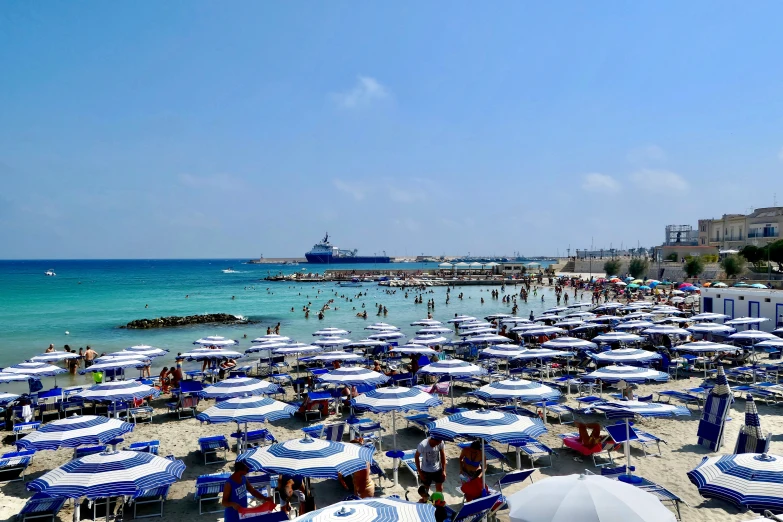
{"type": "Point", "coordinates": [612, 267]}
{"type": "Point", "coordinates": [638, 267]}
{"type": "Point", "coordinates": [694, 266]}
{"type": "Point", "coordinates": [733, 265]}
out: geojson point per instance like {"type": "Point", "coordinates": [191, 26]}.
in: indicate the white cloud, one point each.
{"type": "Point", "coordinates": [659, 181]}
{"type": "Point", "coordinates": [366, 91]}
{"type": "Point", "coordinates": [595, 182]}
{"type": "Point", "coordinates": [351, 188]}
{"type": "Point", "coordinates": [646, 154]}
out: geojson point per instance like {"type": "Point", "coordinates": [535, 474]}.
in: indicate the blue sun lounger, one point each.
{"type": "Point", "coordinates": [475, 510]}
{"type": "Point", "coordinates": [41, 507]}
{"type": "Point", "coordinates": [658, 491]}
{"type": "Point", "coordinates": [13, 465]}
{"type": "Point", "coordinates": [421, 420]}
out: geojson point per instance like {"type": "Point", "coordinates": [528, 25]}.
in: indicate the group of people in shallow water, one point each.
{"type": "Point", "coordinates": [86, 356]}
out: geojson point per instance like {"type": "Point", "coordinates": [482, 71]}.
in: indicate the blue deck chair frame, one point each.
{"type": "Point", "coordinates": [41, 507]}
{"type": "Point", "coordinates": [475, 510]}
{"type": "Point", "coordinates": [14, 465]}
{"type": "Point", "coordinates": [211, 446]}
{"type": "Point", "coordinates": [209, 488]}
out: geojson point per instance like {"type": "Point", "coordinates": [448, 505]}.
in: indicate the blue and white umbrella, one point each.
{"type": "Point", "coordinates": [332, 342]}
{"type": "Point", "coordinates": [116, 357]}
{"type": "Point", "coordinates": [488, 426]}
{"type": "Point", "coordinates": [215, 340]}
{"type": "Point", "coordinates": [543, 330]}
{"type": "Point", "coordinates": [5, 398]}
{"type": "Point", "coordinates": [715, 412]}
{"type": "Point", "coordinates": [36, 369]}
{"type": "Point", "coordinates": [617, 337]}
{"type": "Point", "coordinates": [238, 387]}
{"type": "Point", "coordinates": [461, 319]}
{"type": "Point", "coordinates": [74, 431]}
{"type": "Point", "coordinates": [517, 389]}
{"type": "Point", "coordinates": [641, 408]}
{"type": "Point", "coordinates": [372, 510]}
{"type": "Point", "coordinates": [749, 480]}
{"type": "Point", "coordinates": [109, 474]}
{"type": "Point", "coordinates": [413, 349]}
{"type": "Point", "coordinates": [625, 356]}
{"type": "Point", "coordinates": [454, 369]}
{"type": "Point", "coordinates": [310, 458]}
{"type": "Point", "coordinates": [586, 327]}
{"type": "Point", "coordinates": [709, 316]}
{"type": "Point", "coordinates": [516, 320]}
{"type": "Point", "coordinates": [14, 377]}
{"type": "Point", "coordinates": [480, 330]}
{"type": "Point", "coordinates": [711, 328]}
{"type": "Point", "coordinates": [569, 322]}
{"type": "Point", "coordinates": [247, 409]}
{"type": "Point", "coordinates": [569, 343]}
{"type": "Point", "coordinates": [634, 325]}
{"type": "Point", "coordinates": [381, 327]}
{"type": "Point", "coordinates": [746, 321]}
{"type": "Point", "coordinates": [337, 355]}
{"type": "Point", "coordinates": [431, 330]}
{"type": "Point", "coordinates": [353, 376]}
{"type": "Point", "coordinates": [488, 338]}
{"type": "Point", "coordinates": [118, 363]}
{"type": "Point", "coordinates": [297, 349]}
{"type": "Point", "coordinates": [271, 338]}
{"type": "Point", "coordinates": [54, 356]}
{"type": "Point", "coordinates": [502, 351]}
{"type": "Point", "coordinates": [118, 391]}
{"type": "Point", "coordinates": [367, 343]}
{"type": "Point", "coordinates": [753, 335]}
{"type": "Point", "coordinates": [426, 322]}
{"type": "Point", "coordinates": [542, 354]}
{"type": "Point", "coordinates": [144, 349]}
{"type": "Point", "coordinates": [666, 330]}
{"type": "Point", "coordinates": [429, 340]}
{"type": "Point", "coordinates": [265, 349]}
{"type": "Point", "coordinates": [751, 437]}
{"type": "Point", "coordinates": [704, 347]}
{"type": "Point", "coordinates": [139, 354]}
{"type": "Point", "coordinates": [331, 331]}
{"type": "Point", "coordinates": [469, 325]}
{"type": "Point", "coordinates": [616, 373]}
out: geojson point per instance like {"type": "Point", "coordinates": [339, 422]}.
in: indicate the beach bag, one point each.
{"type": "Point", "coordinates": [35, 385]}
{"type": "Point", "coordinates": [473, 489]}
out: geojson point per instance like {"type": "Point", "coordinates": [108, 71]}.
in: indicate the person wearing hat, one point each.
{"type": "Point", "coordinates": [235, 493]}
{"type": "Point", "coordinates": [431, 462]}
{"type": "Point", "coordinates": [439, 501]}
{"type": "Point", "coordinates": [392, 370]}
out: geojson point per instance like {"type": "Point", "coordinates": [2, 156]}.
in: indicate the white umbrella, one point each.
{"type": "Point", "coordinates": [215, 340]}
{"type": "Point", "coordinates": [54, 356]}
{"type": "Point", "coordinates": [330, 342]}
{"type": "Point", "coordinates": [585, 498]}
{"type": "Point", "coordinates": [337, 355]}
{"type": "Point", "coordinates": [331, 331]}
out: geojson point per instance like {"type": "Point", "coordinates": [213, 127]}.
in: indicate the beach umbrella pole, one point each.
{"type": "Point", "coordinates": [627, 447]}
{"type": "Point", "coordinates": [395, 460]}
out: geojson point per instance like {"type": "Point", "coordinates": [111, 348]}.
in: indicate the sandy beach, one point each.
{"type": "Point", "coordinates": [178, 438]}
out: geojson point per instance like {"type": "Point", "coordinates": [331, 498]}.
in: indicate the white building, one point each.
{"type": "Point", "coordinates": [745, 302]}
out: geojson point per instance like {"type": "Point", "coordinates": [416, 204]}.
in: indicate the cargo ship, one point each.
{"type": "Point", "coordinates": [324, 253]}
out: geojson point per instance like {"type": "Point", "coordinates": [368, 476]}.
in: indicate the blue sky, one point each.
{"type": "Point", "coordinates": [210, 129]}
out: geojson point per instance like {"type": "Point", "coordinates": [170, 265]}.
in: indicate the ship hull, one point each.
{"type": "Point", "coordinates": [326, 259]}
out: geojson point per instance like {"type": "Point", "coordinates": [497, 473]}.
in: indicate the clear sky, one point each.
{"type": "Point", "coordinates": [230, 129]}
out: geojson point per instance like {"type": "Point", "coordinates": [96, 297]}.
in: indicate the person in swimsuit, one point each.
{"type": "Point", "coordinates": [470, 462]}
{"type": "Point", "coordinates": [235, 493]}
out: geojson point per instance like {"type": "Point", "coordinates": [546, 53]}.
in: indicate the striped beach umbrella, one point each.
{"type": "Point", "coordinates": [716, 409]}
{"type": "Point", "coordinates": [210, 355]}
{"type": "Point", "coordinates": [569, 343]}
{"type": "Point", "coordinates": [749, 481]}
{"type": "Point", "coordinates": [238, 387]}
{"type": "Point", "coordinates": [634, 325]}
{"type": "Point", "coordinates": [431, 330]}
{"type": "Point", "coordinates": [144, 348]}
{"type": "Point", "coordinates": [616, 373]}
{"type": "Point", "coordinates": [413, 349]}
{"type": "Point", "coordinates": [332, 342]}
{"type": "Point", "coordinates": [488, 426]}
{"type": "Point", "coordinates": [215, 340]}
{"type": "Point", "coordinates": [117, 357]}
{"type": "Point", "coordinates": [367, 343]}
{"type": "Point", "coordinates": [461, 319]}
{"type": "Point", "coordinates": [665, 330]}
{"type": "Point", "coordinates": [381, 327]}
{"type": "Point", "coordinates": [502, 351]}
{"type": "Point", "coordinates": [641, 408]}
{"type": "Point", "coordinates": [429, 340]}
{"type": "Point", "coordinates": [625, 356]}
{"type": "Point", "coordinates": [74, 431]}
{"type": "Point", "coordinates": [453, 369]}
{"type": "Point", "coordinates": [704, 347]}
{"type": "Point", "coordinates": [709, 316]}
{"type": "Point", "coordinates": [271, 338]}
{"type": "Point", "coordinates": [487, 338]}
{"type": "Point", "coordinates": [14, 377]}
{"type": "Point", "coordinates": [751, 438]}
{"type": "Point", "coordinates": [338, 355]}
{"type": "Point", "coordinates": [5, 398]}
{"type": "Point", "coordinates": [145, 353]}
{"type": "Point", "coordinates": [246, 409]}
{"type": "Point", "coordinates": [54, 356]}
{"type": "Point", "coordinates": [753, 335]}
{"type": "Point", "coordinates": [118, 391]}
{"type": "Point", "coordinates": [426, 322]}
{"type": "Point", "coordinates": [331, 331]}
{"type": "Point", "coordinates": [386, 336]}
{"type": "Point", "coordinates": [710, 328]}
{"type": "Point", "coordinates": [517, 389]}
{"type": "Point", "coordinates": [353, 376]}
{"type": "Point", "coordinates": [372, 510]}
{"type": "Point", "coordinates": [617, 337]}
{"type": "Point", "coordinates": [118, 363]}
{"type": "Point", "coordinates": [310, 458]}
{"type": "Point", "coordinates": [36, 369]}
{"type": "Point", "coordinates": [109, 474]}
{"type": "Point", "coordinates": [533, 354]}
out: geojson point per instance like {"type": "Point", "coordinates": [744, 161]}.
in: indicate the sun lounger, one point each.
{"type": "Point", "coordinates": [534, 451]}
{"type": "Point", "coordinates": [646, 439]}
{"type": "Point", "coordinates": [254, 438]}
{"type": "Point", "coordinates": [513, 477]}
{"type": "Point", "coordinates": [420, 419]}
{"type": "Point", "coordinates": [658, 491]}
{"type": "Point", "coordinates": [408, 461]}
{"type": "Point", "coordinates": [22, 428]}
{"type": "Point", "coordinates": [491, 454]}
{"type": "Point", "coordinates": [740, 392]}
{"type": "Point", "coordinates": [185, 405]}
{"type": "Point", "coordinates": [209, 488]}
{"type": "Point", "coordinates": [41, 507]}
{"type": "Point", "coordinates": [14, 464]}
{"type": "Point", "coordinates": [150, 497]}
{"type": "Point", "coordinates": [333, 432]}
{"type": "Point", "coordinates": [556, 409]}
{"type": "Point", "coordinates": [370, 432]}
{"type": "Point", "coordinates": [687, 398]}
{"type": "Point", "coordinates": [571, 440]}
{"type": "Point", "coordinates": [140, 414]}
{"type": "Point", "coordinates": [210, 446]}
{"type": "Point", "coordinates": [475, 510]}
{"type": "Point", "coordinates": [150, 446]}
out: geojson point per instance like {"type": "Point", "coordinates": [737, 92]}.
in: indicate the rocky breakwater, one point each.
{"type": "Point", "coordinates": [168, 322]}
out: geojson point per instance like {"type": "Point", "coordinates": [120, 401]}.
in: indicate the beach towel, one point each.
{"type": "Point", "coordinates": [27, 413]}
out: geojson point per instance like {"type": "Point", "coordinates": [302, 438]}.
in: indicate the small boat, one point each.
{"type": "Point", "coordinates": [50, 273]}
{"type": "Point", "coordinates": [230, 270]}
{"type": "Point", "coordinates": [353, 282]}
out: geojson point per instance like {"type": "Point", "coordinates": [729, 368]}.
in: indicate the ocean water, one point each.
{"type": "Point", "coordinates": [91, 299]}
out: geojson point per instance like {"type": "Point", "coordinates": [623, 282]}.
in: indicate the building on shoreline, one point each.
{"type": "Point", "coordinates": [734, 231]}
{"type": "Point", "coordinates": [745, 302]}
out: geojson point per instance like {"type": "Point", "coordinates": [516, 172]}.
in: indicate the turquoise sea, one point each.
{"type": "Point", "coordinates": [91, 299]}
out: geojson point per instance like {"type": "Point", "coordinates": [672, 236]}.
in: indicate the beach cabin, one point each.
{"type": "Point", "coordinates": [745, 302]}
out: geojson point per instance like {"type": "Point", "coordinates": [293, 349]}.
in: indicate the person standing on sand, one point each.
{"type": "Point", "coordinates": [89, 356]}
{"type": "Point", "coordinates": [235, 493]}
{"type": "Point", "coordinates": [431, 462]}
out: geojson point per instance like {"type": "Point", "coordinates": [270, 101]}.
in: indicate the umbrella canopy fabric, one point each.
{"type": "Point", "coordinates": [109, 474]}
{"type": "Point", "coordinates": [751, 438]}
{"type": "Point", "coordinates": [634, 325]}
{"type": "Point", "coordinates": [665, 330]}
{"type": "Point", "coordinates": [297, 349]}
{"type": "Point", "coordinates": [118, 391]}
{"type": "Point", "coordinates": [114, 364]}
{"type": "Point", "coordinates": [705, 347]}
{"type": "Point", "coordinates": [215, 340]}
{"type": "Point", "coordinates": [271, 338]}
{"type": "Point", "coordinates": [386, 336]}
{"type": "Point", "coordinates": [372, 510]}
{"type": "Point", "coordinates": [454, 368]}
{"type": "Point", "coordinates": [330, 342]}
{"type": "Point", "coordinates": [753, 335]}
{"type": "Point", "coordinates": [311, 458]}
{"type": "Point", "coordinates": [207, 354]}
{"type": "Point", "coordinates": [353, 376]}
{"type": "Point", "coordinates": [569, 343]}
{"type": "Point", "coordinates": [367, 343]}
{"type": "Point", "coordinates": [337, 355]}
{"type": "Point", "coordinates": [586, 498]}
{"type": "Point", "coordinates": [148, 353]}
{"type": "Point", "coordinates": [54, 356]}
{"type": "Point", "coordinates": [462, 319]}
{"type": "Point", "coordinates": [617, 373]}
{"type": "Point", "coordinates": [625, 355]}
{"type": "Point", "coordinates": [381, 400]}
{"type": "Point", "coordinates": [74, 431]}
{"type": "Point", "coordinates": [746, 320]}
{"type": "Point", "coordinates": [429, 340]}
{"type": "Point", "coordinates": [749, 480]}
{"type": "Point", "coordinates": [426, 322]}
{"type": "Point", "coordinates": [14, 377]}
{"type": "Point", "coordinates": [430, 330]}
{"type": "Point", "coordinates": [711, 328]}
{"type": "Point", "coordinates": [487, 425]}
{"type": "Point", "coordinates": [541, 353]}
{"type": "Point", "coordinates": [517, 389]}
{"type": "Point", "coordinates": [617, 337]}
{"type": "Point", "coordinates": [413, 349]}
{"type": "Point", "coordinates": [238, 387]}
{"type": "Point", "coordinates": [330, 331]}
{"type": "Point", "coordinates": [708, 316]}
{"type": "Point", "coordinates": [715, 412]}
{"type": "Point", "coordinates": [7, 397]}
{"type": "Point", "coordinates": [381, 327]}
{"type": "Point", "coordinates": [503, 351]}
{"type": "Point", "coordinates": [644, 409]}
{"type": "Point", "coordinates": [37, 369]}
{"type": "Point", "coordinates": [247, 409]}
{"type": "Point", "coordinates": [488, 338]}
